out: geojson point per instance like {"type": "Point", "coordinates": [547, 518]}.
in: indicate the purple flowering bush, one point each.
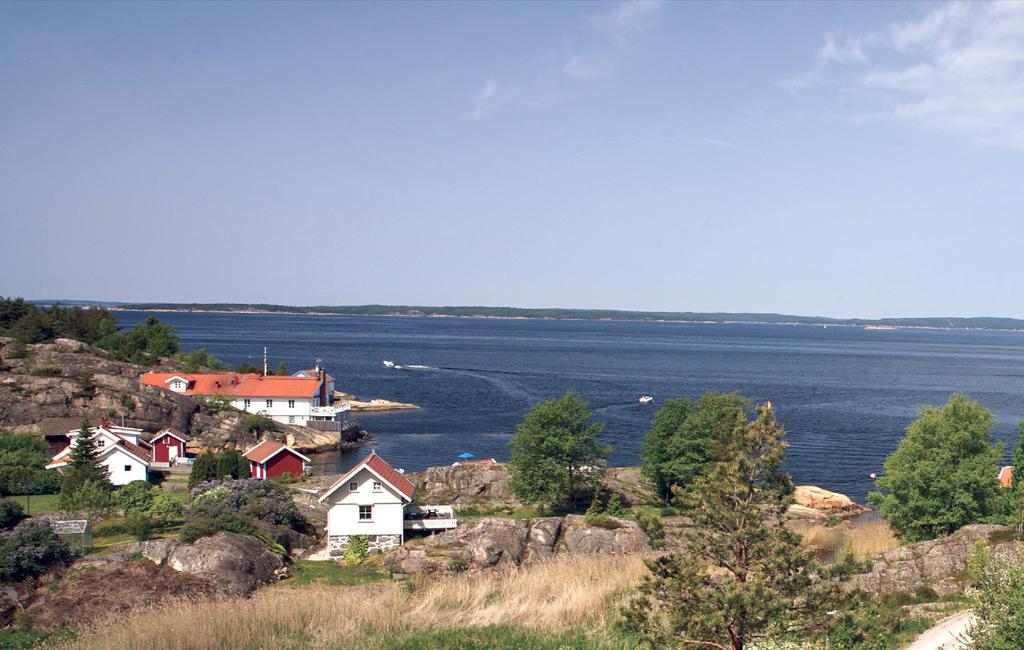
{"type": "Point", "coordinates": [250, 499]}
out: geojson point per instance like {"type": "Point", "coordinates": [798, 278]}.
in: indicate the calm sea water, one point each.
{"type": "Point", "coordinates": [844, 394]}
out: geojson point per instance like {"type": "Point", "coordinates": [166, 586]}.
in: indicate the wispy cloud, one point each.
{"type": "Point", "coordinates": [595, 55]}
{"type": "Point", "coordinates": [958, 69]}
{"type": "Point", "coordinates": [723, 144]}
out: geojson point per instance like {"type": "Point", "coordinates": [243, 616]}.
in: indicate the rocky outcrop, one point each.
{"type": "Point", "coordinates": [236, 565]}
{"type": "Point", "coordinates": [825, 502]}
{"type": "Point", "coordinates": [939, 564]}
{"type": "Point", "coordinates": [466, 484]}
{"type": "Point", "coordinates": [498, 543]}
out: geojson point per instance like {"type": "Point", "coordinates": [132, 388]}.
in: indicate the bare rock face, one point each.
{"type": "Point", "coordinates": [939, 564]}
{"type": "Point", "coordinates": [579, 537]}
{"type": "Point", "coordinates": [235, 564]}
{"type": "Point", "coordinates": [497, 543]}
{"type": "Point", "coordinates": [466, 484]}
{"type": "Point", "coordinates": [825, 502]}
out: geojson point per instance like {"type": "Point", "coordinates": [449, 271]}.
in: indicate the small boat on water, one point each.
{"type": "Point", "coordinates": [389, 364]}
{"type": "Point", "coordinates": [645, 399]}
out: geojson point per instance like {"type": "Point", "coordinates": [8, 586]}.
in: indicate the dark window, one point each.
{"type": "Point", "coordinates": [353, 487]}
{"type": "Point", "coordinates": [270, 403]}
{"type": "Point", "coordinates": [127, 468]}
{"type": "Point", "coordinates": [365, 513]}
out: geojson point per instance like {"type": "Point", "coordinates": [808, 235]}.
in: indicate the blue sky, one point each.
{"type": "Point", "coordinates": [815, 158]}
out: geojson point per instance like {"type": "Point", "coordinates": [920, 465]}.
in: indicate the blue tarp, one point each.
{"type": "Point", "coordinates": [466, 455]}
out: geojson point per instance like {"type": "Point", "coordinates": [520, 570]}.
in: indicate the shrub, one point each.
{"type": "Point", "coordinates": [204, 468]}
{"type": "Point", "coordinates": [141, 527]}
{"type": "Point", "coordinates": [603, 521]}
{"type": "Point", "coordinates": [204, 526]}
{"type": "Point", "coordinates": [91, 497]}
{"type": "Point", "coordinates": [135, 498]}
{"type": "Point", "coordinates": [28, 480]}
{"type": "Point", "coordinates": [258, 423]}
{"type": "Point", "coordinates": [228, 464]}
{"type": "Point", "coordinates": [261, 500]}
{"type": "Point", "coordinates": [31, 550]}
{"type": "Point", "coordinates": [651, 524]}
{"type": "Point", "coordinates": [596, 507]}
{"type": "Point", "coordinates": [615, 507]}
{"type": "Point", "coordinates": [358, 549]}
{"type": "Point", "coordinates": [165, 508]}
{"type": "Point", "coordinates": [11, 513]}
{"type": "Point", "coordinates": [44, 371]}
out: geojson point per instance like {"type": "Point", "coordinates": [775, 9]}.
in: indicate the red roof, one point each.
{"type": "Point", "coordinates": [267, 449]}
{"type": "Point", "coordinates": [376, 464]}
{"type": "Point", "coordinates": [174, 433]}
{"type": "Point", "coordinates": [1006, 476]}
{"type": "Point", "coordinates": [244, 385]}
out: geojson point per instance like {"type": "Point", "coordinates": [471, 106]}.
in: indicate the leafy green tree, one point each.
{"type": "Point", "coordinates": [247, 368]}
{"type": "Point", "coordinates": [165, 508]}
{"type": "Point", "coordinates": [557, 458]}
{"type": "Point", "coordinates": [742, 576]}
{"type": "Point", "coordinates": [943, 474]}
{"type": "Point", "coordinates": [998, 603]}
{"type": "Point", "coordinates": [282, 369]}
{"type": "Point", "coordinates": [204, 468]}
{"type": "Point", "coordinates": [680, 443]}
{"type": "Point", "coordinates": [135, 498]}
{"type": "Point", "coordinates": [91, 497]}
{"type": "Point", "coordinates": [84, 466]}
{"type": "Point", "coordinates": [243, 467]}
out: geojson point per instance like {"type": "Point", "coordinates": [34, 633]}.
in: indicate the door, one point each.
{"type": "Point", "coordinates": [172, 453]}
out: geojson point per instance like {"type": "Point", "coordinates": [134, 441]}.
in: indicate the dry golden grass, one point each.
{"type": "Point", "coordinates": [553, 596]}
{"type": "Point", "coordinates": [861, 539]}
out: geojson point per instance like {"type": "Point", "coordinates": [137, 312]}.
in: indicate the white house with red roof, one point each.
{"type": "Point", "coordinates": [120, 449]}
{"type": "Point", "coordinates": [271, 459]}
{"type": "Point", "coordinates": [288, 400]}
{"type": "Point", "coordinates": [374, 500]}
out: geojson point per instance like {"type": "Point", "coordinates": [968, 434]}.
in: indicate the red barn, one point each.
{"type": "Point", "coordinates": [167, 445]}
{"type": "Point", "coordinates": [270, 459]}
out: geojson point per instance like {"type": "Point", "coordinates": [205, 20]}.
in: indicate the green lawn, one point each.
{"type": "Point", "coordinates": [36, 503]}
{"type": "Point", "coordinates": [330, 572]}
{"type": "Point", "coordinates": [12, 639]}
{"type": "Point", "coordinates": [111, 532]}
{"type": "Point", "coordinates": [504, 637]}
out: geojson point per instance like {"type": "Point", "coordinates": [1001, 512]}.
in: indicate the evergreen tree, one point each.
{"type": "Point", "coordinates": [742, 575]}
{"type": "Point", "coordinates": [1017, 487]}
{"type": "Point", "coordinates": [84, 463]}
{"type": "Point", "coordinates": [557, 458]}
{"type": "Point", "coordinates": [943, 474]}
{"type": "Point", "coordinates": [228, 464]}
{"type": "Point", "coordinates": [243, 467]}
{"type": "Point", "coordinates": [282, 369]}
{"type": "Point", "coordinates": [203, 469]}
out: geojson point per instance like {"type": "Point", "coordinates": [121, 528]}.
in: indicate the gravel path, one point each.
{"type": "Point", "coordinates": [944, 635]}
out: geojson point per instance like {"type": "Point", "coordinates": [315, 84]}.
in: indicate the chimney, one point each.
{"type": "Point", "coordinates": [322, 376]}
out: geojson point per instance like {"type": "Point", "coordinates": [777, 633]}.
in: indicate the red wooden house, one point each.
{"type": "Point", "coordinates": [167, 444]}
{"type": "Point", "coordinates": [270, 459]}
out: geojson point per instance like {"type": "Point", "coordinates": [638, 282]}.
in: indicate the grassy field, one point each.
{"type": "Point", "coordinates": [310, 572]}
{"type": "Point", "coordinates": [36, 503]}
{"type": "Point", "coordinates": [568, 602]}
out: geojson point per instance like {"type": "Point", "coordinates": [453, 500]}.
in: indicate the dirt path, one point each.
{"type": "Point", "coordinates": [944, 636]}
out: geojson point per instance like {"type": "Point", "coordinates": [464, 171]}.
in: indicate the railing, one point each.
{"type": "Point", "coordinates": [330, 411]}
{"type": "Point", "coordinates": [429, 518]}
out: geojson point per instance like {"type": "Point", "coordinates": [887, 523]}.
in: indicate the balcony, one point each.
{"type": "Point", "coordinates": [429, 518]}
{"type": "Point", "coordinates": [329, 411]}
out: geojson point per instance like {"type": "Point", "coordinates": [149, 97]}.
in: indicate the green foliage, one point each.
{"type": "Point", "coordinates": [282, 369]}
{"type": "Point", "coordinates": [998, 603]}
{"type": "Point", "coordinates": [22, 459]}
{"type": "Point", "coordinates": [11, 513]}
{"type": "Point", "coordinates": [31, 550]}
{"type": "Point", "coordinates": [142, 527]}
{"type": "Point", "coordinates": [557, 458]}
{"type": "Point", "coordinates": [943, 474]}
{"type": "Point", "coordinates": [143, 344]}
{"type": "Point", "coordinates": [217, 403]}
{"type": "Point", "coordinates": [199, 360]}
{"type": "Point", "coordinates": [205, 526]}
{"type": "Point", "coordinates": [615, 507]}
{"type": "Point", "coordinates": [652, 525]}
{"type": "Point", "coordinates": [596, 507]}
{"type": "Point", "coordinates": [873, 625]}
{"type": "Point", "coordinates": [165, 508]}
{"type": "Point", "coordinates": [91, 497]}
{"type": "Point", "coordinates": [742, 574]}
{"type": "Point", "coordinates": [28, 323]}
{"type": "Point", "coordinates": [258, 423]}
{"type": "Point", "coordinates": [358, 549]}
{"type": "Point", "coordinates": [42, 371]}
{"type": "Point", "coordinates": [229, 464]}
{"type": "Point", "coordinates": [681, 441]}
{"type": "Point", "coordinates": [602, 520]}
{"type": "Point", "coordinates": [135, 498]}
{"type": "Point", "coordinates": [204, 468]}
{"type": "Point", "coordinates": [247, 368]}
{"type": "Point", "coordinates": [1016, 492]}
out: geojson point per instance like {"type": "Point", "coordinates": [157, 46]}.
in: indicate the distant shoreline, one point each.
{"type": "Point", "coordinates": [512, 313]}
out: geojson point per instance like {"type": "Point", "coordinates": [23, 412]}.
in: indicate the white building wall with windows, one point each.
{"type": "Point", "coordinates": [123, 468]}
{"type": "Point", "coordinates": [387, 508]}
{"type": "Point", "coordinates": [287, 410]}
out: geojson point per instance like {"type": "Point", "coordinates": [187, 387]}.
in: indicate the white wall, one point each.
{"type": "Point", "coordinates": [280, 411]}
{"type": "Point", "coordinates": [115, 464]}
{"type": "Point", "coordinates": [343, 516]}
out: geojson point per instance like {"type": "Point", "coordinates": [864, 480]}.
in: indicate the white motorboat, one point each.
{"type": "Point", "coordinates": [645, 399]}
{"type": "Point", "coordinates": [389, 364]}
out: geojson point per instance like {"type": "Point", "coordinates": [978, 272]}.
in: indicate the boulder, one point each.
{"type": "Point", "coordinates": [477, 484]}
{"type": "Point", "coordinates": [939, 564]}
{"type": "Point", "coordinates": [235, 564]}
{"type": "Point", "coordinates": [579, 537]}
{"type": "Point", "coordinates": [830, 504]}
{"type": "Point", "coordinates": [541, 540]}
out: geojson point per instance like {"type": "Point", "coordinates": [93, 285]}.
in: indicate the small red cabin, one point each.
{"type": "Point", "coordinates": [167, 445]}
{"type": "Point", "coordinates": [270, 459]}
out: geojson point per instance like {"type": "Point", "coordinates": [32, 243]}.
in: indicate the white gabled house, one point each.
{"type": "Point", "coordinates": [120, 449]}
{"type": "Point", "coordinates": [374, 500]}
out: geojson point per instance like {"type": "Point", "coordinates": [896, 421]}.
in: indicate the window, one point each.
{"type": "Point", "coordinates": [127, 468]}
{"type": "Point", "coordinates": [291, 419]}
{"type": "Point", "coordinates": [365, 513]}
{"type": "Point", "coordinates": [291, 403]}
{"type": "Point", "coordinates": [353, 487]}
{"type": "Point", "coordinates": [247, 402]}
{"type": "Point", "coordinates": [376, 486]}
{"type": "Point", "coordinates": [101, 442]}
{"type": "Point", "coordinates": [177, 384]}
{"type": "Point", "coordinates": [270, 403]}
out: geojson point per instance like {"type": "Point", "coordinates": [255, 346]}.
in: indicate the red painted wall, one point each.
{"type": "Point", "coordinates": [160, 453]}
{"type": "Point", "coordinates": [284, 462]}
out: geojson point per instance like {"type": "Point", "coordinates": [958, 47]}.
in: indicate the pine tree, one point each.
{"type": "Point", "coordinates": [84, 463]}
{"type": "Point", "coordinates": [1017, 486]}
{"type": "Point", "coordinates": [282, 369]}
{"type": "Point", "coordinates": [742, 575]}
{"type": "Point", "coordinates": [203, 469]}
